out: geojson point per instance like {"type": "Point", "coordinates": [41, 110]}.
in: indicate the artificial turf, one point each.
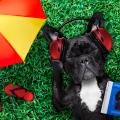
{"type": "Point", "coordinates": [36, 73]}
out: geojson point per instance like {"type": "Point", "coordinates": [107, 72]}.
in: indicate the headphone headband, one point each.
{"type": "Point", "coordinates": [100, 36]}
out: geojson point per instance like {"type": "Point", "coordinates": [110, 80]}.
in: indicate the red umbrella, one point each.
{"type": "Point", "coordinates": [20, 22]}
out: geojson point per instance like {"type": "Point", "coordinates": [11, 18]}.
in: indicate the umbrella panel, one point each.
{"type": "Point", "coordinates": [26, 8]}
{"type": "Point", "coordinates": [20, 32]}
{"type": "Point", "coordinates": [8, 56]}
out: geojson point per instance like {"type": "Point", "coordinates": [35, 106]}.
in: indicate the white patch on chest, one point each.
{"type": "Point", "coordinates": [90, 94]}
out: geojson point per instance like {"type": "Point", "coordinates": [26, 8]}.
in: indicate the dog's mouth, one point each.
{"type": "Point", "coordinates": [88, 74]}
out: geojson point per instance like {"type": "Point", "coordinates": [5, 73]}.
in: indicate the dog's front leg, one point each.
{"type": "Point", "coordinates": [58, 91]}
{"type": "Point", "coordinates": [61, 97]}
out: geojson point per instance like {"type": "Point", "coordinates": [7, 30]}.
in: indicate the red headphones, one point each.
{"type": "Point", "coordinates": [99, 36]}
{"type": "Point", "coordinates": [104, 38]}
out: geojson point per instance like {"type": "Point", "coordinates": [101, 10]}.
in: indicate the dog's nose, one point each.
{"type": "Point", "coordinates": [84, 60]}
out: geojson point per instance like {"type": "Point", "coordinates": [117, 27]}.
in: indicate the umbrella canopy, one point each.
{"type": "Point", "coordinates": [20, 21]}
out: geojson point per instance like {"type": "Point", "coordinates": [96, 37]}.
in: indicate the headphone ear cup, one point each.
{"type": "Point", "coordinates": [104, 38]}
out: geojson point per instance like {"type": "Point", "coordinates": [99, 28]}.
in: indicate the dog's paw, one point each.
{"type": "Point", "coordinates": [57, 65]}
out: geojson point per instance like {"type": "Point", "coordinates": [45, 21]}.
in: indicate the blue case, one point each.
{"type": "Point", "coordinates": [111, 101]}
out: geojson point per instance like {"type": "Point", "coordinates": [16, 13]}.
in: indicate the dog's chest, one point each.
{"type": "Point", "coordinates": [90, 94]}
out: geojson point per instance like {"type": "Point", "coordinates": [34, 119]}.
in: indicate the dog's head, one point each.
{"type": "Point", "coordinates": [83, 59]}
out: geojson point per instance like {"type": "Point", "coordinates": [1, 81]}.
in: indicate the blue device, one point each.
{"type": "Point", "coordinates": [111, 101]}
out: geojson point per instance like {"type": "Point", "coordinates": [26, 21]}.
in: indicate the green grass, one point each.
{"type": "Point", "coordinates": [36, 73]}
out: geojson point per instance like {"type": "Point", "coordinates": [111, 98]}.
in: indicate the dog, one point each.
{"type": "Point", "coordinates": [84, 61]}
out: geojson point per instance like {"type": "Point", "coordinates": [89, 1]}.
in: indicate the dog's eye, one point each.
{"type": "Point", "coordinates": [81, 49]}
{"type": "Point", "coordinates": [94, 51]}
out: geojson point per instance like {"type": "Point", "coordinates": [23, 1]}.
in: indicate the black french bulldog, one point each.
{"type": "Point", "coordinates": [84, 61]}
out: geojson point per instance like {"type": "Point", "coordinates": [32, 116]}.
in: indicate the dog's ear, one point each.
{"type": "Point", "coordinates": [96, 20]}
{"type": "Point", "coordinates": [50, 33]}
